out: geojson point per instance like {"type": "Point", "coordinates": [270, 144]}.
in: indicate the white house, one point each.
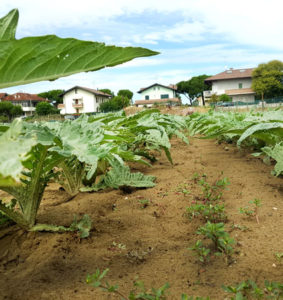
{"type": "Point", "coordinates": [80, 99]}
{"type": "Point", "coordinates": [27, 101]}
{"type": "Point", "coordinates": [157, 93]}
{"type": "Point", "coordinates": [236, 83]}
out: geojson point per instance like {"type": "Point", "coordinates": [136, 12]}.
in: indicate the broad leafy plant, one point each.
{"type": "Point", "coordinates": [29, 153]}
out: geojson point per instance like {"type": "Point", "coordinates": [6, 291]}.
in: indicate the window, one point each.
{"type": "Point", "coordinates": [76, 91]}
{"type": "Point", "coordinates": [240, 85]}
{"type": "Point", "coordinates": [164, 96]}
{"type": "Point", "coordinates": [146, 97]}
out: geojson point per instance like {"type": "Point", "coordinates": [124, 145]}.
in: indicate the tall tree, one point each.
{"type": "Point", "coordinates": [45, 108]}
{"type": "Point", "coordinates": [194, 87]}
{"type": "Point", "coordinates": [116, 103]}
{"type": "Point", "coordinates": [267, 79]}
{"type": "Point", "coordinates": [107, 91]}
{"type": "Point", "coordinates": [53, 95]}
{"type": "Point", "coordinates": [7, 109]}
{"type": "Point", "coordinates": [126, 93]}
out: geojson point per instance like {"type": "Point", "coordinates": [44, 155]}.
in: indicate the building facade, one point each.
{"type": "Point", "coordinates": [27, 101]}
{"type": "Point", "coordinates": [157, 94]}
{"type": "Point", "coordinates": [236, 83]}
{"type": "Point", "coordinates": [78, 100]}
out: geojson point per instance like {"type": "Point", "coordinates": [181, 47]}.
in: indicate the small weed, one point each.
{"type": "Point", "coordinates": [201, 251]}
{"type": "Point", "coordinates": [213, 213]}
{"type": "Point", "coordinates": [139, 292]}
{"type": "Point", "coordinates": [279, 256]}
{"type": "Point", "coordinates": [221, 239]}
{"type": "Point", "coordinates": [213, 192]}
{"type": "Point", "coordinates": [144, 203]}
{"type": "Point", "coordinates": [251, 212]}
{"type": "Point", "coordinates": [240, 227]}
{"type": "Point", "coordinates": [250, 290]}
{"type": "Point", "coordinates": [117, 247]}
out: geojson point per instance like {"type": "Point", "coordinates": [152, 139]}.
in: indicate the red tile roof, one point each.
{"type": "Point", "coordinates": [23, 97]}
{"type": "Point", "coordinates": [235, 92]}
{"type": "Point", "coordinates": [171, 87]}
{"type": "Point", "coordinates": [152, 101]}
{"type": "Point", "coordinates": [232, 74]}
{"type": "Point", "coordinates": [2, 95]}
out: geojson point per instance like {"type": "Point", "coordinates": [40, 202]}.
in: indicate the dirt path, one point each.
{"type": "Point", "coordinates": [153, 239]}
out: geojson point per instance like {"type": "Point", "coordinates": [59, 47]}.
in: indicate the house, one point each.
{"type": "Point", "coordinates": [80, 99]}
{"type": "Point", "coordinates": [27, 101]}
{"type": "Point", "coordinates": [158, 94]}
{"type": "Point", "coordinates": [236, 83]}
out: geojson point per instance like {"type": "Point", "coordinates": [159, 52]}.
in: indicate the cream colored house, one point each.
{"type": "Point", "coordinates": [157, 94]}
{"type": "Point", "coordinates": [78, 100]}
{"type": "Point", "coordinates": [236, 83]}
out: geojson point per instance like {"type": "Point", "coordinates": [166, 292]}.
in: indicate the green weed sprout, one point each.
{"type": "Point", "coordinates": [250, 290]}
{"type": "Point", "coordinates": [251, 212]}
{"type": "Point", "coordinates": [201, 251]}
{"type": "Point", "coordinates": [97, 280]}
{"type": "Point", "coordinates": [221, 239]}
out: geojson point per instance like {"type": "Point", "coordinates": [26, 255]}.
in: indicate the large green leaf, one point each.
{"type": "Point", "coordinates": [8, 25]}
{"type": "Point", "coordinates": [14, 150]}
{"type": "Point", "coordinates": [276, 153]}
{"type": "Point", "coordinates": [121, 177]}
{"type": "Point", "coordinates": [49, 57]}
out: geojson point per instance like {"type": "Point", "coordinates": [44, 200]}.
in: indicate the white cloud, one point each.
{"type": "Point", "coordinates": [254, 22]}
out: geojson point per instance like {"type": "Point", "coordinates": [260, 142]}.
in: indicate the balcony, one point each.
{"type": "Point", "coordinates": [78, 105]}
{"type": "Point", "coordinates": [207, 94]}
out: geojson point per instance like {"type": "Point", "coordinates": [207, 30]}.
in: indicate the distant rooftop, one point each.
{"type": "Point", "coordinates": [170, 86]}
{"type": "Point", "coordinates": [232, 74]}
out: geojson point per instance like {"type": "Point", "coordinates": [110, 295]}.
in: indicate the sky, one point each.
{"type": "Point", "coordinates": [194, 37]}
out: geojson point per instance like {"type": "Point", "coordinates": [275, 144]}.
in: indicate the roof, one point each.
{"type": "Point", "coordinates": [152, 101]}
{"type": "Point", "coordinates": [95, 92]}
{"type": "Point", "coordinates": [2, 95]}
{"type": "Point", "coordinates": [235, 92]}
{"type": "Point", "coordinates": [23, 97]}
{"type": "Point", "coordinates": [231, 74]}
{"type": "Point", "coordinates": [171, 87]}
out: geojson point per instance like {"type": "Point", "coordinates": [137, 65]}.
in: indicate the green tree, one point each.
{"type": "Point", "coordinates": [10, 111]}
{"type": "Point", "coordinates": [107, 91]}
{"type": "Point", "coordinates": [267, 79]}
{"type": "Point", "coordinates": [114, 104]}
{"type": "Point", "coordinates": [194, 87]}
{"type": "Point", "coordinates": [53, 95]}
{"type": "Point", "coordinates": [45, 108]}
{"type": "Point", "coordinates": [126, 93]}
{"type": "Point", "coordinates": [224, 98]}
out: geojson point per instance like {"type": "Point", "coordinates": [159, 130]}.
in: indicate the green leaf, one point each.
{"type": "Point", "coordinates": [276, 153]}
{"type": "Point", "coordinates": [120, 176]}
{"type": "Point", "coordinates": [49, 57]}
{"type": "Point", "coordinates": [8, 25]}
{"type": "Point", "coordinates": [14, 150]}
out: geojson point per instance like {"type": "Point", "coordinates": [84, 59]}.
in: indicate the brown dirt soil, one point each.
{"type": "Point", "coordinates": [38, 265]}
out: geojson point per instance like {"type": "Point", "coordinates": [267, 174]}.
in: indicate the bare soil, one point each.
{"type": "Point", "coordinates": [154, 238]}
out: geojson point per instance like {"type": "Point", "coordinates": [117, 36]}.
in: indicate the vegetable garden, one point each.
{"type": "Point", "coordinates": [146, 206]}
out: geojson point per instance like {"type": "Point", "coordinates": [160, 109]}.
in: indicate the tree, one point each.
{"type": "Point", "coordinates": [107, 91]}
{"type": "Point", "coordinates": [224, 98]}
{"type": "Point", "coordinates": [267, 79]}
{"type": "Point", "coordinates": [126, 93]}
{"type": "Point", "coordinates": [114, 104]}
{"type": "Point", "coordinates": [45, 108]}
{"type": "Point", "coordinates": [194, 87]}
{"type": "Point", "coordinates": [53, 95]}
{"type": "Point", "coordinates": [8, 110]}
